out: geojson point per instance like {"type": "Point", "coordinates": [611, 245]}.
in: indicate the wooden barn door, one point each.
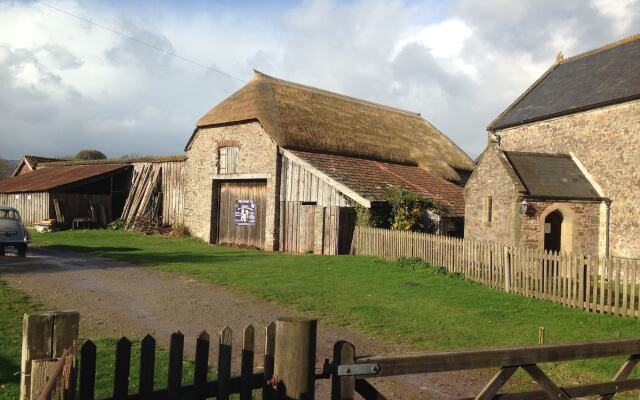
{"type": "Point", "coordinates": [241, 213]}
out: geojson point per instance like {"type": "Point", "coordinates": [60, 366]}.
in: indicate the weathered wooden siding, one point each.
{"type": "Point", "coordinates": [33, 207]}
{"type": "Point", "coordinates": [300, 184]}
{"type": "Point", "coordinates": [172, 187]}
{"type": "Point", "coordinates": [173, 192]}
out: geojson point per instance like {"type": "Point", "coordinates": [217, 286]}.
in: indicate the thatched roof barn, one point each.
{"type": "Point", "coordinates": [277, 150]}
{"type": "Point", "coordinates": [300, 117]}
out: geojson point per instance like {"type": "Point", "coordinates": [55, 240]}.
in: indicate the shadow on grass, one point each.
{"type": "Point", "coordinates": [50, 258]}
{"type": "Point", "coordinates": [7, 371]}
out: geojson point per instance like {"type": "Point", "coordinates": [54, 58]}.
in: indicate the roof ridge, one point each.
{"type": "Point", "coordinates": [602, 48]}
{"type": "Point", "coordinates": [534, 153]}
{"type": "Point", "coordinates": [259, 74]}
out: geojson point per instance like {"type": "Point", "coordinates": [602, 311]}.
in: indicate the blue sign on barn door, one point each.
{"type": "Point", "coordinates": [245, 214]}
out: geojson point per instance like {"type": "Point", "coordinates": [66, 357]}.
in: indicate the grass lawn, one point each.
{"type": "Point", "coordinates": [422, 310]}
{"type": "Point", "coordinates": [13, 304]}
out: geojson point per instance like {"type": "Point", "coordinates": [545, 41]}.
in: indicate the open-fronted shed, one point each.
{"type": "Point", "coordinates": [65, 193]}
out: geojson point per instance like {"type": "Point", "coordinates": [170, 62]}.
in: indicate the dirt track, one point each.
{"type": "Point", "coordinates": [117, 299]}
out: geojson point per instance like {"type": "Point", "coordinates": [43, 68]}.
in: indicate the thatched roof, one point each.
{"type": "Point", "coordinates": [304, 118]}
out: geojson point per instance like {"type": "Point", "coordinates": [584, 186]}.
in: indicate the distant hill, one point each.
{"type": "Point", "coordinates": [7, 167]}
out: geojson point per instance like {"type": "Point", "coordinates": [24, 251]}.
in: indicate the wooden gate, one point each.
{"type": "Point", "coordinates": [231, 196]}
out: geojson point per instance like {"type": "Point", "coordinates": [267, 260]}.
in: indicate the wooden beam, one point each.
{"type": "Point", "coordinates": [442, 361]}
{"type": "Point", "coordinates": [623, 373]}
{"type": "Point", "coordinates": [545, 383]}
{"type": "Point", "coordinates": [496, 383]}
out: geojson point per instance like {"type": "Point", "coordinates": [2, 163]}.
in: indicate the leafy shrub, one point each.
{"type": "Point", "coordinates": [117, 224]}
{"type": "Point", "coordinates": [411, 211]}
{"type": "Point", "coordinates": [416, 264]}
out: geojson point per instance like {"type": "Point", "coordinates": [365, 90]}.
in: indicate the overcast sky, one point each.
{"type": "Point", "coordinates": [67, 85]}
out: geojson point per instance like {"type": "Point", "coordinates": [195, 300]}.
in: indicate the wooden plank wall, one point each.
{"type": "Point", "coordinates": [297, 227]}
{"type": "Point", "coordinates": [33, 207]}
{"type": "Point", "coordinates": [597, 284]}
{"type": "Point", "coordinates": [301, 184]}
{"type": "Point", "coordinates": [172, 187]}
{"type": "Point", "coordinates": [316, 229]}
{"type": "Point", "coordinates": [171, 184]}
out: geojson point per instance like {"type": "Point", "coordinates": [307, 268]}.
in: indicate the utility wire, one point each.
{"type": "Point", "coordinates": [149, 45]}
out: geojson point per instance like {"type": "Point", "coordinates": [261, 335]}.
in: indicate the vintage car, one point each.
{"type": "Point", "coordinates": [12, 232]}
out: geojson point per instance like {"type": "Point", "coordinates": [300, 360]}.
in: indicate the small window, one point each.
{"type": "Point", "coordinates": [228, 160]}
{"type": "Point", "coordinates": [488, 209]}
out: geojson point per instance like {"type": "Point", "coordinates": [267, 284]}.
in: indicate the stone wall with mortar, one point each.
{"type": "Point", "coordinates": [490, 178]}
{"type": "Point", "coordinates": [580, 219]}
{"type": "Point", "coordinates": [258, 154]}
{"type": "Point", "coordinates": [607, 143]}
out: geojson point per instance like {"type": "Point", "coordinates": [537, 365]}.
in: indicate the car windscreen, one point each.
{"type": "Point", "coordinates": [9, 214]}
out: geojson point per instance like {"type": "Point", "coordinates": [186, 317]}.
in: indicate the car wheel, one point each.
{"type": "Point", "coordinates": [22, 250]}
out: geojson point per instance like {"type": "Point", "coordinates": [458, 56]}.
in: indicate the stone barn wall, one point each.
{"type": "Point", "coordinates": [258, 155]}
{"type": "Point", "coordinates": [491, 178]}
{"type": "Point", "coordinates": [607, 143]}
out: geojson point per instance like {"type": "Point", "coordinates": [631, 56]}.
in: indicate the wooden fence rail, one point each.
{"type": "Point", "coordinates": [599, 284]}
{"type": "Point", "coordinates": [350, 370]}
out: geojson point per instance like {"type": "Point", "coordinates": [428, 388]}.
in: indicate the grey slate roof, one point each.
{"type": "Point", "coordinates": [554, 176]}
{"type": "Point", "coordinates": [607, 75]}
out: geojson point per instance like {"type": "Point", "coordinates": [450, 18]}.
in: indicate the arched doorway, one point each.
{"type": "Point", "coordinates": [553, 231]}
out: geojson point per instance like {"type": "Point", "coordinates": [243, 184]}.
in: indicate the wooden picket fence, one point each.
{"type": "Point", "coordinates": [202, 387]}
{"type": "Point", "coordinates": [599, 284]}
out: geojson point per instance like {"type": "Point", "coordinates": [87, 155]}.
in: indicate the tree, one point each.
{"type": "Point", "coordinates": [90, 155]}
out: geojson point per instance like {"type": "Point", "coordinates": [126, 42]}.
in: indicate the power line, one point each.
{"type": "Point", "coordinates": [134, 39]}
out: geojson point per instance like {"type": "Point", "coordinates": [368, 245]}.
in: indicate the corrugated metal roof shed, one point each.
{"type": "Point", "coordinates": [46, 179]}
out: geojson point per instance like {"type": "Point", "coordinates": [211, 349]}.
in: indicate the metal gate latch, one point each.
{"type": "Point", "coordinates": [358, 369]}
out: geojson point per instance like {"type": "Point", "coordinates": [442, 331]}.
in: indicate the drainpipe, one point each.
{"type": "Point", "coordinates": [607, 203]}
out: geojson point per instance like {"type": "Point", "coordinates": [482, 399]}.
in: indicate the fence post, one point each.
{"type": "Point", "coordinates": [295, 357]}
{"type": "Point", "coordinates": [45, 336]}
{"type": "Point", "coordinates": [342, 388]}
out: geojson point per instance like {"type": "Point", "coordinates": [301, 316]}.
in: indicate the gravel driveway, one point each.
{"type": "Point", "coordinates": [117, 299]}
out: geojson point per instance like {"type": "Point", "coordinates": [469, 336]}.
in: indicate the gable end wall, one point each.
{"type": "Point", "coordinates": [490, 178]}
{"type": "Point", "coordinates": [258, 154]}
{"type": "Point", "coordinates": [607, 143]}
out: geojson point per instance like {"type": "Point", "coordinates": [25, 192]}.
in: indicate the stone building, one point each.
{"type": "Point", "coordinates": [585, 110]}
{"type": "Point", "coordinates": [275, 143]}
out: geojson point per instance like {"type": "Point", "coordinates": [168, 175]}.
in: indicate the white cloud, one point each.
{"type": "Point", "coordinates": [66, 85]}
{"type": "Point", "coordinates": [444, 39]}
{"type": "Point", "coordinates": [622, 11]}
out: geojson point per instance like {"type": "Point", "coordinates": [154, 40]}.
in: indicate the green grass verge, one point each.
{"type": "Point", "coordinates": [13, 304]}
{"type": "Point", "coordinates": [422, 310]}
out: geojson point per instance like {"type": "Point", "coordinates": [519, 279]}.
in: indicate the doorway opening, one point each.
{"type": "Point", "coordinates": [553, 231]}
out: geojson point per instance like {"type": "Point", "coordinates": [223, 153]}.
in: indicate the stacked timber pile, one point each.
{"type": "Point", "coordinates": [144, 197]}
